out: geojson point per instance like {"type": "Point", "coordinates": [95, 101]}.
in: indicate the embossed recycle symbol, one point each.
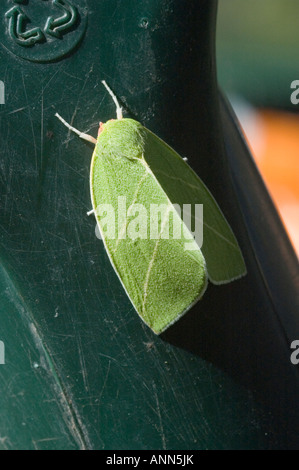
{"type": "Point", "coordinates": [55, 27]}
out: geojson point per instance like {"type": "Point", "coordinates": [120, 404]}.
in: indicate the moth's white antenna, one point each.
{"type": "Point", "coordinates": [119, 111]}
{"type": "Point", "coordinates": [87, 137]}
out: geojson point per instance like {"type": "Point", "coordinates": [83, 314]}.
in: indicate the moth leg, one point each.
{"type": "Point", "coordinates": [90, 212]}
{"type": "Point", "coordinates": [119, 111]}
{"type": "Point", "coordinates": [87, 137]}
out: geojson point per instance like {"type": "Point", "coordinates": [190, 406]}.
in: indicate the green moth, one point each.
{"type": "Point", "coordinates": [140, 188]}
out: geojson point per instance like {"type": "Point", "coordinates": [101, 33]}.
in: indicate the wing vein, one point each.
{"type": "Point", "coordinates": [151, 263]}
{"type": "Point", "coordinates": [125, 225]}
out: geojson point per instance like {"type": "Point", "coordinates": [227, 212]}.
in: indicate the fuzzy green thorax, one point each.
{"type": "Point", "coordinates": [122, 137]}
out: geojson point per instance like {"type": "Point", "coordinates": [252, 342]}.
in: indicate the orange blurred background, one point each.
{"type": "Point", "coordinates": [257, 61]}
{"type": "Point", "coordinates": [275, 147]}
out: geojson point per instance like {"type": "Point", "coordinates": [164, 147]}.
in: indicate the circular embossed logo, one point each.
{"type": "Point", "coordinates": [42, 30]}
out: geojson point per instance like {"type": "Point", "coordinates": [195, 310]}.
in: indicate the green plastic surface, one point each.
{"type": "Point", "coordinates": [81, 370]}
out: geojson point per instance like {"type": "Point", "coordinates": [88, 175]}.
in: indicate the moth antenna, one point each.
{"type": "Point", "coordinates": [119, 111]}
{"type": "Point", "coordinates": [87, 137]}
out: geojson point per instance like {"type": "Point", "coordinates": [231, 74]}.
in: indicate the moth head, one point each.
{"type": "Point", "coordinates": [102, 125]}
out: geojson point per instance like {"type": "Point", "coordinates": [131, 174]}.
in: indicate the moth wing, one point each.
{"type": "Point", "coordinates": [182, 185]}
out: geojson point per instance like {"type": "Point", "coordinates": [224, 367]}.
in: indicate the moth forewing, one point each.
{"type": "Point", "coordinates": [220, 247]}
